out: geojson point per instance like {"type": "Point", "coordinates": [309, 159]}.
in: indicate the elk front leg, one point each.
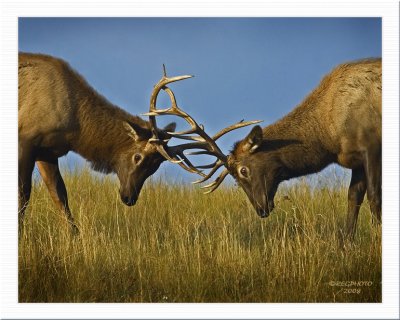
{"type": "Point", "coordinates": [51, 175]}
{"type": "Point", "coordinates": [373, 169]}
{"type": "Point", "coordinates": [357, 188]}
{"type": "Point", "coordinates": [26, 163]}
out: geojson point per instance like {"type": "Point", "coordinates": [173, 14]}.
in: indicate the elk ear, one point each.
{"type": "Point", "coordinates": [253, 139]}
{"type": "Point", "coordinates": [135, 131]}
{"type": "Point", "coordinates": [168, 128]}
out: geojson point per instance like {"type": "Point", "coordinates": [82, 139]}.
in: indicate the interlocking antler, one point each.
{"type": "Point", "coordinates": [172, 154]}
{"type": "Point", "coordinates": [202, 140]}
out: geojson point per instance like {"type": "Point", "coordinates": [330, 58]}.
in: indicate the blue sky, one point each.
{"type": "Point", "coordinates": [251, 68]}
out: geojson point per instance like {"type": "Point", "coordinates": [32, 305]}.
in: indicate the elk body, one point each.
{"type": "Point", "coordinates": [59, 112]}
{"type": "Point", "coordinates": [339, 122]}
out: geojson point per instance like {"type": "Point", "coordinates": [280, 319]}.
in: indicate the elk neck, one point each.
{"type": "Point", "coordinates": [297, 142]}
{"type": "Point", "coordinates": [102, 137]}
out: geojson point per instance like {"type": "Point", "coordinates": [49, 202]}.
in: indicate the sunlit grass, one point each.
{"type": "Point", "coordinates": [178, 245]}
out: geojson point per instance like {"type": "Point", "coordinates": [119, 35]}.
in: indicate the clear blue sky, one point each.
{"type": "Point", "coordinates": [251, 68]}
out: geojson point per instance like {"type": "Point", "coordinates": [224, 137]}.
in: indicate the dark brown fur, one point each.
{"type": "Point", "coordinates": [339, 122]}
{"type": "Point", "coordinates": [59, 112]}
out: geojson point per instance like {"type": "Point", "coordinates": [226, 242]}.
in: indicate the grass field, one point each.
{"type": "Point", "coordinates": [178, 245]}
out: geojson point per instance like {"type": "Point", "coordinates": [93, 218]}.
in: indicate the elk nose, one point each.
{"type": "Point", "coordinates": [262, 213]}
{"type": "Point", "coordinates": [129, 201]}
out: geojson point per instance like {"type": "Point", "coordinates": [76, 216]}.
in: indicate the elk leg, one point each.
{"type": "Point", "coordinates": [373, 168]}
{"type": "Point", "coordinates": [51, 175]}
{"type": "Point", "coordinates": [26, 164]}
{"type": "Point", "coordinates": [357, 188]}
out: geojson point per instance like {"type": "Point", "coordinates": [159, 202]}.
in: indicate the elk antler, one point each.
{"type": "Point", "coordinates": [202, 140]}
{"type": "Point", "coordinates": [172, 154]}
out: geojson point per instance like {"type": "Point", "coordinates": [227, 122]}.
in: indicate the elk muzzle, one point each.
{"type": "Point", "coordinates": [129, 201]}
{"type": "Point", "coordinates": [129, 197]}
{"type": "Point", "coordinates": [265, 211]}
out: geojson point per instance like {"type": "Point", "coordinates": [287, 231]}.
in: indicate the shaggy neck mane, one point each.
{"type": "Point", "coordinates": [297, 139]}
{"type": "Point", "coordinates": [102, 135]}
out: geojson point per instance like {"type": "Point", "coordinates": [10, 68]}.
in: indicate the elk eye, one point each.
{"type": "Point", "coordinates": [137, 157]}
{"type": "Point", "coordinates": [244, 172]}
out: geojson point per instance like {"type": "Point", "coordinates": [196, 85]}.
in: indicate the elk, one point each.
{"type": "Point", "coordinates": [338, 122]}
{"type": "Point", "coordinates": [58, 112]}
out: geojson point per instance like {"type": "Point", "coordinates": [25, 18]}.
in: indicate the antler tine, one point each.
{"type": "Point", "coordinates": [215, 184]}
{"type": "Point", "coordinates": [205, 152]}
{"type": "Point", "coordinates": [190, 167]}
{"type": "Point", "coordinates": [218, 165]}
{"type": "Point", "coordinates": [234, 126]}
{"type": "Point", "coordinates": [187, 165]}
{"type": "Point", "coordinates": [208, 166]}
{"type": "Point", "coordinates": [184, 162]}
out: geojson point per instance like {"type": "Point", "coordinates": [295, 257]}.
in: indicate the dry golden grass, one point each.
{"type": "Point", "coordinates": [178, 245]}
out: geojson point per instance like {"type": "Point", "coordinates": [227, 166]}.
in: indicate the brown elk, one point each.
{"type": "Point", "coordinates": [59, 112]}
{"type": "Point", "coordinates": [339, 122]}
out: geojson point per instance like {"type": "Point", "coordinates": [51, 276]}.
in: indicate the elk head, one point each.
{"type": "Point", "coordinates": [139, 161]}
{"type": "Point", "coordinates": [147, 153]}
{"type": "Point", "coordinates": [255, 171]}
{"type": "Point", "coordinates": [241, 165]}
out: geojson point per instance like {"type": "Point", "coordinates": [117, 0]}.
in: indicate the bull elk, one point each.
{"type": "Point", "coordinates": [339, 122]}
{"type": "Point", "coordinates": [58, 112]}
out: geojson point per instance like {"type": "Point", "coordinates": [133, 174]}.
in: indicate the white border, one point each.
{"type": "Point", "coordinates": [12, 9]}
